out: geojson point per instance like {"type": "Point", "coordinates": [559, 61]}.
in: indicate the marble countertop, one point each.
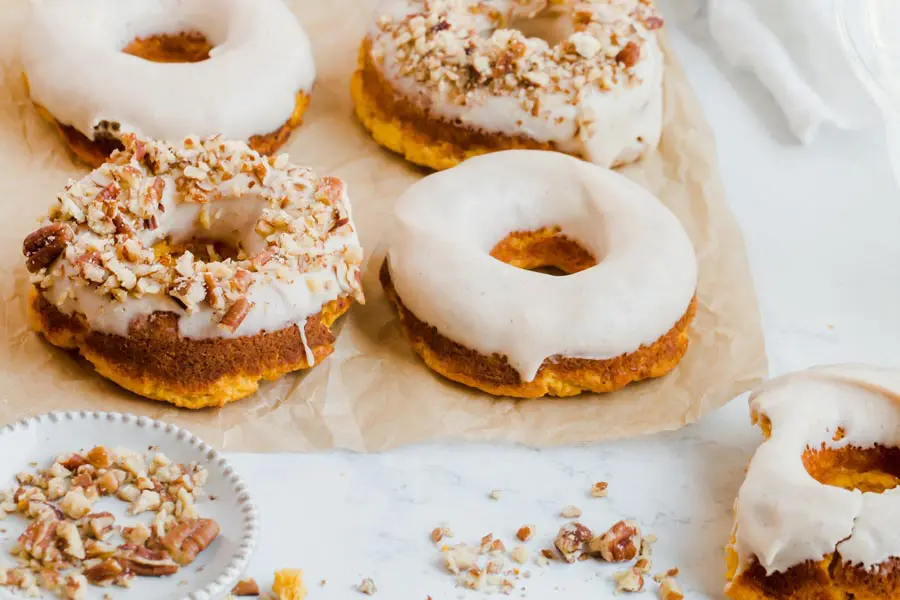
{"type": "Point", "coordinates": [821, 226]}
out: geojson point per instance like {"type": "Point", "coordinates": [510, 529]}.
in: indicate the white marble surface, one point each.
{"type": "Point", "coordinates": [821, 227]}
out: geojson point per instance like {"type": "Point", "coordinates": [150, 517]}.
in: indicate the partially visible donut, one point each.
{"type": "Point", "coordinates": [188, 272]}
{"type": "Point", "coordinates": [460, 263]}
{"type": "Point", "coordinates": [98, 69]}
{"type": "Point", "coordinates": [818, 514]}
{"type": "Point", "coordinates": [442, 80]}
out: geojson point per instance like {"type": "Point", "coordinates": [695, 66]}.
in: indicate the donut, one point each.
{"type": "Point", "coordinates": [440, 81]}
{"type": "Point", "coordinates": [818, 514]}
{"type": "Point", "coordinates": [99, 69]}
{"type": "Point", "coordinates": [188, 272]}
{"type": "Point", "coordinates": [463, 271]}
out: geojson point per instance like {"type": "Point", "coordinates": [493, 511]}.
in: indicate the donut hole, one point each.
{"type": "Point", "coordinates": [203, 249]}
{"type": "Point", "coordinates": [544, 250]}
{"type": "Point", "coordinates": [550, 24]}
{"type": "Point", "coordinates": [873, 469]}
{"type": "Point", "coordinates": [185, 47]}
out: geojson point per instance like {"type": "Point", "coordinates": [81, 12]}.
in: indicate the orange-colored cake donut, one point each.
{"type": "Point", "coordinates": [440, 81]}
{"type": "Point", "coordinates": [189, 272]}
{"type": "Point", "coordinates": [818, 516]}
{"type": "Point", "coordinates": [99, 69]}
{"type": "Point", "coordinates": [460, 270]}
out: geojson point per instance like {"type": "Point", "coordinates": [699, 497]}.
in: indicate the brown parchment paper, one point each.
{"type": "Point", "coordinates": [373, 393]}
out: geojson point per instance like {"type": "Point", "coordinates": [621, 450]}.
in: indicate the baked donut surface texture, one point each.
{"type": "Point", "coordinates": [459, 270]}
{"type": "Point", "coordinates": [440, 81]}
{"type": "Point", "coordinates": [99, 69]}
{"type": "Point", "coordinates": [189, 272]}
{"type": "Point", "coordinates": [818, 515]}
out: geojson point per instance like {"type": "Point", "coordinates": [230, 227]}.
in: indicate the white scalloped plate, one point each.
{"type": "Point", "coordinates": [40, 439]}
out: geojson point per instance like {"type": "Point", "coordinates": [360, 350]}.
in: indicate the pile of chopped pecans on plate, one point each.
{"type": "Point", "coordinates": [66, 546]}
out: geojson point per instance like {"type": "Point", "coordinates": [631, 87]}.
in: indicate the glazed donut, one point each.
{"type": "Point", "coordinates": [94, 70]}
{"type": "Point", "coordinates": [188, 272]}
{"type": "Point", "coordinates": [818, 515]}
{"type": "Point", "coordinates": [621, 315]}
{"type": "Point", "coordinates": [443, 80]}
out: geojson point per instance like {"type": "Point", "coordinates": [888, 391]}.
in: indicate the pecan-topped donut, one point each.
{"type": "Point", "coordinates": [188, 272]}
{"type": "Point", "coordinates": [443, 80]}
{"type": "Point", "coordinates": [166, 69]}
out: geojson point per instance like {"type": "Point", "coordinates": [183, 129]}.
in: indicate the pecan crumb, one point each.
{"type": "Point", "coordinates": [618, 544]}
{"type": "Point", "coordinates": [600, 490]}
{"type": "Point", "coordinates": [367, 587]}
{"type": "Point", "coordinates": [525, 533]}
{"type": "Point", "coordinates": [246, 587]}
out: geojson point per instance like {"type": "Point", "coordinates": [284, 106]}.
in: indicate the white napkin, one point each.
{"type": "Point", "coordinates": [795, 50]}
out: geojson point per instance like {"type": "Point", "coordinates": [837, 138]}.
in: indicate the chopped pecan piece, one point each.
{"type": "Point", "coordinates": [329, 189]}
{"type": "Point", "coordinates": [100, 457]}
{"type": "Point", "coordinates": [669, 589]}
{"type": "Point", "coordinates": [654, 23]}
{"type": "Point", "coordinates": [525, 533]}
{"type": "Point", "coordinates": [236, 314]}
{"type": "Point", "coordinates": [75, 587]}
{"type": "Point", "coordinates": [189, 538]}
{"type": "Point", "coordinates": [73, 461]}
{"type": "Point", "coordinates": [246, 587]}
{"type": "Point", "coordinates": [105, 573]}
{"type": "Point", "coordinates": [629, 55]}
{"type": "Point", "coordinates": [39, 539]}
{"type": "Point", "coordinates": [367, 587]}
{"type": "Point", "coordinates": [600, 490]}
{"type": "Point", "coordinates": [620, 543]}
{"type": "Point", "coordinates": [629, 581]}
{"type": "Point", "coordinates": [43, 246]}
{"type": "Point", "coordinates": [101, 525]}
{"type": "Point", "coordinates": [146, 562]}
{"type": "Point", "coordinates": [339, 223]}
{"type": "Point", "coordinates": [571, 541]}
{"type": "Point", "coordinates": [69, 540]}
{"type": "Point", "coordinates": [122, 226]}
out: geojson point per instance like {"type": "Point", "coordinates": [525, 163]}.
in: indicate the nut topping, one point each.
{"type": "Point", "coordinates": [619, 544]}
{"type": "Point", "coordinates": [190, 538]}
{"type": "Point", "coordinates": [44, 246]}
{"type": "Point", "coordinates": [104, 573]}
{"type": "Point", "coordinates": [236, 314]}
{"type": "Point", "coordinates": [146, 562]}
{"type": "Point", "coordinates": [246, 587]}
{"type": "Point", "coordinates": [571, 541]}
{"type": "Point", "coordinates": [629, 55]}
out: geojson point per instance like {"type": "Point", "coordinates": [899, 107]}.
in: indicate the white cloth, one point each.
{"type": "Point", "coordinates": [794, 48]}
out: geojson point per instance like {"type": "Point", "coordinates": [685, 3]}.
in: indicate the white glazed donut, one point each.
{"type": "Point", "coordinates": [114, 280]}
{"type": "Point", "coordinates": [76, 70]}
{"type": "Point", "coordinates": [791, 530]}
{"type": "Point", "coordinates": [469, 84]}
{"type": "Point", "coordinates": [441, 268]}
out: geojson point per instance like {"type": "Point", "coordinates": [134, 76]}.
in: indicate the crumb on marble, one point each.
{"type": "Point", "coordinates": [367, 587]}
{"type": "Point", "coordinates": [600, 490]}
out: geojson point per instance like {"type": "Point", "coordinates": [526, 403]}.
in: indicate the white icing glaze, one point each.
{"type": "Point", "coordinates": [606, 127]}
{"type": "Point", "coordinates": [785, 517]}
{"type": "Point", "coordinates": [447, 224]}
{"type": "Point", "coordinates": [248, 86]}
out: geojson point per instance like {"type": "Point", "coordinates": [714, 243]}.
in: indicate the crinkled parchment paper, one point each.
{"type": "Point", "coordinates": [373, 392]}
